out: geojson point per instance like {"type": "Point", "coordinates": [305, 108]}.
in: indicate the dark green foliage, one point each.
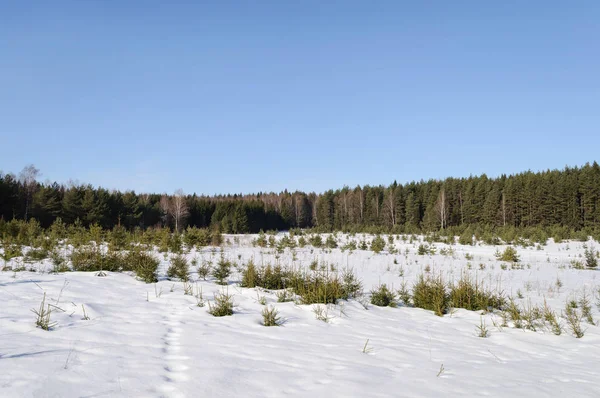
{"type": "Point", "coordinates": [351, 286]}
{"type": "Point", "coordinates": [143, 264]}
{"type": "Point", "coordinates": [284, 295]}
{"type": "Point", "coordinates": [222, 271]}
{"type": "Point", "coordinates": [11, 251]}
{"type": "Point", "coordinates": [240, 224]}
{"type": "Point", "coordinates": [591, 260]}
{"type": "Point", "coordinates": [323, 287]}
{"type": "Point", "coordinates": [557, 203]}
{"type": "Point", "coordinates": [250, 275]}
{"type": "Point", "coordinates": [301, 241]}
{"type": "Point", "coordinates": [316, 241]}
{"type": "Point", "coordinates": [426, 250]}
{"type": "Point", "coordinates": [285, 242]}
{"type": "Point", "coordinates": [330, 242]}
{"type": "Point", "coordinates": [88, 259]}
{"type": "Point", "coordinates": [204, 269]}
{"type": "Point", "coordinates": [178, 268]}
{"type": "Point", "coordinates": [43, 315]}
{"type": "Point", "coordinates": [429, 292]}
{"type": "Point", "coordinates": [38, 254]}
{"type": "Point", "coordinates": [196, 237]}
{"type": "Point", "coordinates": [271, 317]}
{"type": "Point", "coordinates": [175, 243]}
{"type": "Point", "coordinates": [350, 246]}
{"type": "Point", "coordinates": [222, 305]}
{"type": "Point", "coordinates": [472, 295]}
{"type": "Point", "coordinates": [118, 238]}
{"type": "Point", "coordinates": [216, 239]}
{"type": "Point", "coordinates": [383, 297]}
{"type": "Point", "coordinates": [261, 241]}
{"type": "Point", "coordinates": [313, 287]}
{"type": "Point", "coordinates": [378, 244]}
{"type": "Point", "coordinates": [466, 238]}
{"type": "Point", "coordinates": [272, 277]}
{"type": "Point", "coordinates": [59, 262]}
{"type": "Point", "coordinates": [404, 294]}
{"type": "Point", "coordinates": [509, 254]}
{"type": "Point", "coordinates": [268, 277]}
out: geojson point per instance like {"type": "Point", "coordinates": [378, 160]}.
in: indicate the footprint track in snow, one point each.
{"type": "Point", "coordinates": [174, 363]}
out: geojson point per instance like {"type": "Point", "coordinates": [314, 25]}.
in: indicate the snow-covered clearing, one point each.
{"type": "Point", "coordinates": [152, 340]}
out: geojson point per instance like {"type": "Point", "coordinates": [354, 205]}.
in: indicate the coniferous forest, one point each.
{"type": "Point", "coordinates": [567, 200]}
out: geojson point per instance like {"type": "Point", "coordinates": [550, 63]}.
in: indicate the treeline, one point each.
{"type": "Point", "coordinates": [569, 198]}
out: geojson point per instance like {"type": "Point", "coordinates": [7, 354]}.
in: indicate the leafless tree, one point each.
{"type": "Point", "coordinates": [390, 204]}
{"type": "Point", "coordinates": [179, 209]}
{"type": "Point", "coordinates": [460, 200]}
{"type": "Point", "coordinates": [441, 207]}
{"type": "Point", "coordinates": [298, 207]}
{"type": "Point", "coordinates": [165, 209]}
{"type": "Point", "coordinates": [503, 209]}
{"type": "Point", "coordinates": [28, 178]}
{"type": "Point", "coordinates": [376, 203]}
{"type": "Point", "coordinates": [344, 196]}
{"type": "Point", "coordinates": [361, 202]}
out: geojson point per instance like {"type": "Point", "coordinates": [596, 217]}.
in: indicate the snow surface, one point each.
{"type": "Point", "coordinates": [139, 345]}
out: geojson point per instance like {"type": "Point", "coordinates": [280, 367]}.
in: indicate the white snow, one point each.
{"type": "Point", "coordinates": [136, 344]}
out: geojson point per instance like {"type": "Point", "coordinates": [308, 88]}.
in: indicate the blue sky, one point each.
{"type": "Point", "coordinates": [248, 96]}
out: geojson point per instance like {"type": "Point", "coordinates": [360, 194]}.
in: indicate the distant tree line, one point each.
{"type": "Point", "coordinates": [569, 198]}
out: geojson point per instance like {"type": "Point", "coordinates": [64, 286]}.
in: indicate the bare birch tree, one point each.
{"type": "Point", "coordinates": [28, 178]}
{"type": "Point", "coordinates": [297, 209]}
{"type": "Point", "coordinates": [462, 216]}
{"type": "Point", "coordinates": [179, 209]}
{"type": "Point", "coordinates": [390, 204]}
{"type": "Point", "coordinates": [503, 209]}
{"type": "Point", "coordinates": [441, 207]}
{"type": "Point", "coordinates": [360, 202]}
{"type": "Point", "coordinates": [165, 209]}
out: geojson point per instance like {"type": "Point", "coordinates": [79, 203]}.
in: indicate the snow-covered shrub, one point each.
{"type": "Point", "coordinates": [91, 259]}
{"type": "Point", "coordinates": [324, 287]}
{"type": "Point", "coordinates": [509, 254]}
{"type": "Point", "coordinates": [143, 264]}
{"type": "Point", "coordinates": [316, 241]}
{"type": "Point", "coordinates": [222, 271]}
{"type": "Point", "coordinates": [383, 297]}
{"type": "Point", "coordinates": [378, 244]}
{"type": "Point", "coordinates": [330, 242]}
{"type": "Point", "coordinates": [59, 262]}
{"type": "Point", "coordinates": [196, 237]}
{"type": "Point", "coordinates": [472, 295]}
{"type": "Point", "coordinates": [271, 317]}
{"type": "Point", "coordinates": [223, 305]}
{"type": "Point", "coordinates": [43, 315]}
{"type": "Point", "coordinates": [36, 254]}
{"type": "Point", "coordinates": [11, 251]}
{"type": "Point", "coordinates": [179, 268]}
{"type": "Point", "coordinates": [591, 260]}
{"type": "Point", "coordinates": [430, 293]}
{"type": "Point", "coordinates": [573, 318]}
{"type": "Point", "coordinates": [204, 269]}
{"type": "Point", "coordinates": [284, 295]}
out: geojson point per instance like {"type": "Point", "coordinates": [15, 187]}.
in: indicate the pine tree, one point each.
{"type": "Point", "coordinates": [131, 209]}
{"type": "Point", "coordinates": [240, 220]}
{"type": "Point", "coordinates": [72, 209]}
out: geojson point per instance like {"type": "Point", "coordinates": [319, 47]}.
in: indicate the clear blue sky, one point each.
{"type": "Point", "coordinates": [248, 96]}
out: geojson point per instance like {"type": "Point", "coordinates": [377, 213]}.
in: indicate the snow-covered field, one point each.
{"type": "Point", "coordinates": [139, 342]}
